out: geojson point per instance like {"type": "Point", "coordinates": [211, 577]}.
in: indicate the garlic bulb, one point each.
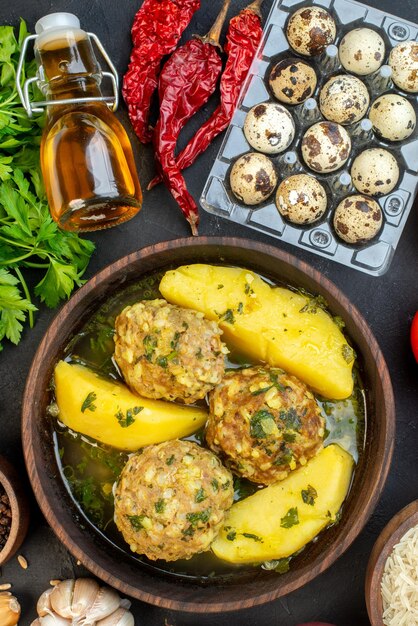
{"type": "Point", "coordinates": [82, 602]}
{"type": "Point", "coordinates": [9, 609]}
{"type": "Point", "coordinates": [121, 617]}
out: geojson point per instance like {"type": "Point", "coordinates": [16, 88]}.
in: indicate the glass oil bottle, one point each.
{"type": "Point", "coordinates": [86, 157]}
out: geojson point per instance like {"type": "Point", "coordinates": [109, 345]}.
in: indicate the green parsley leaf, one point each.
{"type": "Point", "coordinates": [309, 495]}
{"type": "Point", "coordinates": [262, 424]}
{"type": "Point", "coordinates": [251, 536]}
{"type": "Point", "coordinates": [202, 516]}
{"type": "Point", "coordinates": [88, 403]}
{"type": "Point", "coordinates": [290, 519]}
{"type": "Point", "coordinates": [136, 521]}
{"type": "Point", "coordinates": [200, 495]}
{"type": "Point", "coordinates": [129, 418]}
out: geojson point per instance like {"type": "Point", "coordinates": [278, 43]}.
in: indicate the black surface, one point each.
{"type": "Point", "coordinates": [388, 304]}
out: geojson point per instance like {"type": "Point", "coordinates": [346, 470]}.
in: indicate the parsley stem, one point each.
{"type": "Point", "coordinates": [17, 259]}
{"type": "Point", "coordinates": [26, 291]}
{"type": "Point", "coordinates": [38, 265]}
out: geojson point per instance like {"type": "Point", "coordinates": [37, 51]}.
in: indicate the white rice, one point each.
{"type": "Point", "coordinates": [400, 582]}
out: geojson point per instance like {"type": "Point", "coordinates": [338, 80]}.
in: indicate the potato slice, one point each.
{"type": "Point", "coordinates": [270, 324]}
{"type": "Point", "coordinates": [279, 520]}
{"type": "Point", "coordinates": [109, 412]}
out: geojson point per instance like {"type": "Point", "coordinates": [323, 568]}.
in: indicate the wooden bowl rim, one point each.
{"type": "Point", "coordinates": [391, 534]}
{"type": "Point", "coordinates": [20, 515]}
{"type": "Point", "coordinates": [331, 553]}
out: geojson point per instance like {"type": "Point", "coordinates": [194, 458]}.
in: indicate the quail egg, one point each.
{"type": "Point", "coordinates": [362, 51]}
{"type": "Point", "coordinates": [393, 117]}
{"type": "Point", "coordinates": [269, 128]}
{"type": "Point", "coordinates": [301, 199]}
{"type": "Point", "coordinates": [344, 99]}
{"type": "Point", "coordinates": [357, 219]}
{"type": "Point", "coordinates": [253, 178]}
{"type": "Point", "coordinates": [292, 81]}
{"type": "Point", "coordinates": [326, 147]}
{"type": "Point", "coordinates": [310, 30]}
{"type": "Point", "coordinates": [403, 60]}
{"type": "Point", "coordinates": [375, 172]}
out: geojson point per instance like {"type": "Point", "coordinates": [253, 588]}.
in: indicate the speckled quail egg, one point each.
{"type": "Point", "coordinates": [393, 117]}
{"type": "Point", "coordinates": [362, 51]}
{"type": "Point", "coordinates": [344, 99]}
{"type": "Point", "coordinates": [301, 199]}
{"type": "Point", "coordinates": [269, 128]}
{"type": "Point", "coordinates": [403, 60]}
{"type": "Point", "coordinates": [357, 219]}
{"type": "Point", "coordinates": [310, 30]}
{"type": "Point", "coordinates": [375, 172]}
{"type": "Point", "coordinates": [292, 81]}
{"type": "Point", "coordinates": [253, 178]}
{"type": "Point", "coordinates": [326, 147]}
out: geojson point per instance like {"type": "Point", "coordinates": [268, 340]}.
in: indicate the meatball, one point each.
{"type": "Point", "coordinates": [263, 423]}
{"type": "Point", "coordinates": [170, 501]}
{"type": "Point", "coordinates": [165, 351]}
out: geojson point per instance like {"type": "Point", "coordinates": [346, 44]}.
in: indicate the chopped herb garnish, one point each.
{"type": "Point", "coordinates": [215, 485]}
{"type": "Point", "coordinates": [170, 460]}
{"type": "Point", "coordinates": [228, 316]}
{"type": "Point", "coordinates": [258, 392]}
{"type": "Point", "coordinates": [188, 532]}
{"type": "Point", "coordinates": [225, 485]}
{"type": "Point", "coordinates": [136, 521]}
{"type": "Point", "coordinates": [88, 403]}
{"type": "Point", "coordinates": [220, 286]}
{"type": "Point", "coordinates": [150, 343]}
{"type": "Point", "coordinates": [291, 419]}
{"type": "Point", "coordinates": [313, 304]}
{"type": "Point", "coordinates": [231, 535]}
{"type": "Point", "coordinates": [248, 290]}
{"type": "Point", "coordinates": [160, 506]}
{"type": "Point", "coordinates": [262, 424]}
{"type": "Point", "coordinates": [200, 495]}
{"type": "Point", "coordinates": [309, 495]}
{"type": "Point", "coordinates": [129, 418]}
{"type": "Point", "coordinates": [162, 361]}
{"type": "Point", "coordinates": [338, 321]}
{"type": "Point", "coordinates": [199, 354]}
{"type": "Point", "coordinates": [240, 308]}
{"type": "Point", "coordinates": [185, 325]}
{"type": "Point", "coordinates": [281, 566]}
{"type": "Point", "coordinates": [251, 536]}
{"type": "Point", "coordinates": [174, 342]}
{"type": "Point", "coordinates": [290, 519]}
{"type": "Point", "coordinates": [348, 353]}
{"type": "Point", "coordinates": [202, 516]}
{"type": "Point", "coordinates": [289, 437]}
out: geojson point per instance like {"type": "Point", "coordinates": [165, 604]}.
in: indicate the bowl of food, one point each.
{"type": "Point", "coordinates": [391, 576]}
{"type": "Point", "coordinates": [14, 511]}
{"type": "Point", "coordinates": [208, 424]}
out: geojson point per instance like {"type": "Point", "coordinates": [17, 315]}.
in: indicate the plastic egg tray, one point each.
{"type": "Point", "coordinates": [319, 238]}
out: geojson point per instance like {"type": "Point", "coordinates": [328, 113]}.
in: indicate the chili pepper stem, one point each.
{"type": "Point", "coordinates": [214, 34]}
{"type": "Point", "coordinates": [193, 226]}
{"type": "Point", "coordinates": [255, 7]}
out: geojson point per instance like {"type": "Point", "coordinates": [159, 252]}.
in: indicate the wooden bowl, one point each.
{"type": "Point", "coordinates": [388, 538]}
{"type": "Point", "coordinates": [12, 485]}
{"type": "Point", "coordinates": [145, 583]}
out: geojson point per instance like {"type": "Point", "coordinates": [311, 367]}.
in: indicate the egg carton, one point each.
{"type": "Point", "coordinates": [319, 238]}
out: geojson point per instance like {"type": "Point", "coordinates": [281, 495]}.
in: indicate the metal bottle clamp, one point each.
{"type": "Point", "coordinates": [111, 101]}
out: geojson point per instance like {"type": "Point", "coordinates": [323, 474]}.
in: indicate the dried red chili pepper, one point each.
{"type": "Point", "coordinates": [186, 82]}
{"type": "Point", "coordinates": [157, 28]}
{"type": "Point", "coordinates": [243, 38]}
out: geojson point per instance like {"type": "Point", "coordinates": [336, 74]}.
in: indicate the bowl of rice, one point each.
{"type": "Point", "coordinates": [392, 572]}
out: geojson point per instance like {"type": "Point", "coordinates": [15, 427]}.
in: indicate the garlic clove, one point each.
{"type": "Point", "coordinates": [125, 603]}
{"type": "Point", "coordinates": [106, 602]}
{"type": "Point", "coordinates": [121, 617]}
{"type": "Point", "coordinates": [43, 605]}
{"type": "Point", "coordinates": [84, 595]}
{"type": "Point", "coordinates": [9, 609]}
{"type": "Point", "coordinates": [53, 619]}
{"type": "Point", "coordinates": [61, 598]}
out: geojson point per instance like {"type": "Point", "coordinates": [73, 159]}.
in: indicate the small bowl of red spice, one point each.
{"type": "Point", "coordinates": [14, 511]}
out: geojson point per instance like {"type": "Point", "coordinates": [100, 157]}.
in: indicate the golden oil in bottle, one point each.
{"type": "Point", "coordinates": [86, 157]}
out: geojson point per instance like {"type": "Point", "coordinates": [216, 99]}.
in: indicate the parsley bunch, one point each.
{"type": "Point", "coordinates": [29, 238]}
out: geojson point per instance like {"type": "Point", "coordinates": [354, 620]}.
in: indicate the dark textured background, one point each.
{"type": "Point", "coordinates": [388, 304]}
